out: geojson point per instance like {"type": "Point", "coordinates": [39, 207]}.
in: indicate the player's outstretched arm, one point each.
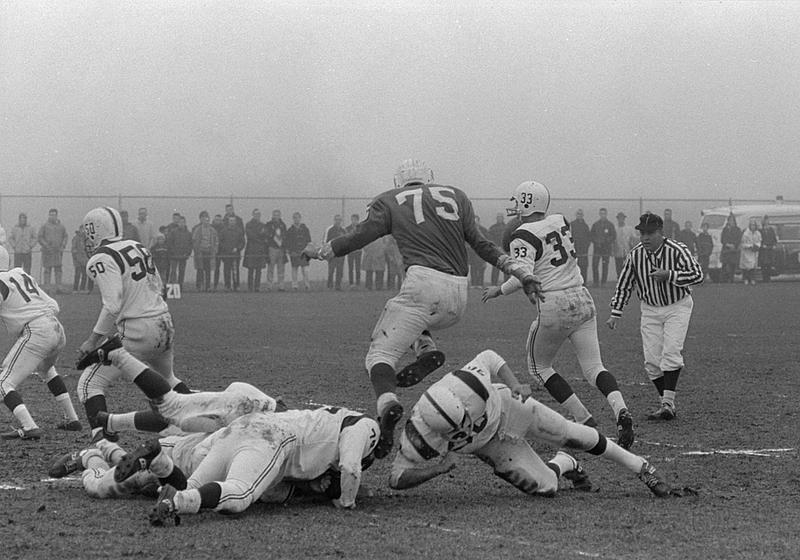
{"type": "Point", "coordinates": [403, 478]}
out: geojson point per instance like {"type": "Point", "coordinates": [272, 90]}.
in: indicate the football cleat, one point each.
{"type": "Point", "coordinates": [579, 478]}
{"type": "Point", "coordinates": [164, 513]}
{"type": "Point", "coordinates": [625, 434]}
{"type": "Point", "coordinates": [388, 420]}
{"type": "Point", "coordinates": [100, 354]}
{"type": "Point", "coordinates": [665, 412]}
{"type": "Point", "coordinates": [418, 370]}
{"type": "Point", "coordinates": [139, 460]}
{"type": "Point", "coordinates": [70, 426]}
{"type": "Point", "coordinates": [69, 463]}
{"type": "Point", "coordinates": [22, 433]}
{"type": "Point", "coordinates": [657, 486]}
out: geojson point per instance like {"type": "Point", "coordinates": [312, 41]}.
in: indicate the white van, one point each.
{"type": "Point", "coordinates": [785, 218]}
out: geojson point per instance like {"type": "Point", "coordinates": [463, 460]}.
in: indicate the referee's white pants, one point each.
{"type": "Point", "coordinates": [428, 299]}
{"type": "Point", "coordinates": [663, 334]}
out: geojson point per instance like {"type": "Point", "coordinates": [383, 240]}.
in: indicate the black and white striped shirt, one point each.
{"type": "Point", "coordinates": [673, 256]}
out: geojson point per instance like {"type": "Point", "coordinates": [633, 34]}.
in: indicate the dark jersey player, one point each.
{"type": "Point", "coordinates": [431, 224]}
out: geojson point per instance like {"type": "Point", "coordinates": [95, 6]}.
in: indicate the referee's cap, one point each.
{"type": "Point", "coordinates": [649, 222]}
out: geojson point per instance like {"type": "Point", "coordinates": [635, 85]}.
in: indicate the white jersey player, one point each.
{"type": "Point", "coordinates": [31, 316]}
{"type": "Point", "coordinates": [465, 412]}
{"type": "Point", "coordinates": [133, 307]}
{"type": "Point", "coordinates": [260, 451]}
{"type": "Point", "coordinates": [567, 312]}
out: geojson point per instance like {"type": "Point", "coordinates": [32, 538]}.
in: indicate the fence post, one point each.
{"type": "Point", "coordinates": [119, 201]}
{"type": "Point", "coordinates": [641, 206]}
{"type": "Point", "coordinates": [343, 203]}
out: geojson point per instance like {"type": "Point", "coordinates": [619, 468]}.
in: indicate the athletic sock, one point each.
{"type": "Point", "coordinates": [383, 378]}
{"type": "Point", "coordinates": [561, 464]}
{"type": "Point", "coordinates": [149, 421]}
{"type": "Point", "coordinates": [65, 403]}
{"type": "Point", "coordinates": [187, 501]}
{"type": "Point", "coordinates": [121, 422]}
{"type": "Point", "coordinates": [384, 401]}
{"type": "Point", "coordinates": [623, 458]}
{"type": "Point", "coordinates": [575, 407]}
{"type": "Point", "coordinates": [209, 495]}
{"type": "Point", "coordinates": [607, 384]}
{"type": "Point", "coordinates": [671, 379]}
{"type": "Point", "coordinates": [24, 417]}
{"type": "Point", "coordinates": [668, 398]}
{"type": "Point", "coordinates": [659, 383]}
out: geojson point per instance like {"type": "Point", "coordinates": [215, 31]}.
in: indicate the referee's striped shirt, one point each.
{"type": "Point", "coordinates": [673, 256]}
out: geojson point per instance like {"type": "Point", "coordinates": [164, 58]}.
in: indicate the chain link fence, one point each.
{"type": "Point", "coordinates": [317, 213]}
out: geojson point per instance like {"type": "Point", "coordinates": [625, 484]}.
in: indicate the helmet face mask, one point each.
{"type": "Point", "coordinates": [102, 224]}
{"type": "Point", "coordinates": [412, 171]}
{"type": "Point", "coordinates": [529, 197]}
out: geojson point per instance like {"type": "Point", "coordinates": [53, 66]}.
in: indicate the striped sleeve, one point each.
{"type": "Point", "coordinates": [624, 288]}
{"type": "Point", "coordinates": [688, 270]}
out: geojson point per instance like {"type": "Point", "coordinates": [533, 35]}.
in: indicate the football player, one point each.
{"type": "Point", "coordinates": [464, 412]}
{"type": "Point", "coordinates": [567, 313]}
{"type": "Point", "coordinates": [133, 307]}
{"type": "Point", "coordinates": [431, 224]}
{"type": "Point", "coordinates": [30, 316]}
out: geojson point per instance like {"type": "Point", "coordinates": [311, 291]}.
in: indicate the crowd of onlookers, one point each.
{"type": "Point", "coordinates": [221, 245]}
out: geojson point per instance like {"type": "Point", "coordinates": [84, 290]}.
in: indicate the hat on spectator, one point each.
{"type": "Point", "coordinates": [649, 222]}
{"type": "Point", "coordinates": [621, 215]}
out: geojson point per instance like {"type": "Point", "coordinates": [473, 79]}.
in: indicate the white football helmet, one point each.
{"type": "Point", "coordinates": [444, 413]}
{"type": "Point", "coordinates": [412, 171]}
{"type": "Point", "coordinates": [102, 224]}
{"type": "Point", "coordinates": [5, 260]}
{"type": "Point", "coordinates": [529, 197]}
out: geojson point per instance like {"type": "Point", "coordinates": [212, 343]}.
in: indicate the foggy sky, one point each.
{"type": "Point", "coordinates": [302, 98]}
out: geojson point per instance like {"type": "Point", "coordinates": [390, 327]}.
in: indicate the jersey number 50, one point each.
{"type": "Point", "coordinates": [447, 207]}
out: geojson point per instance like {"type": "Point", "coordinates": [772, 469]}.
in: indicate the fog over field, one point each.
{"type": "Point", "coordinates": [291, 98]}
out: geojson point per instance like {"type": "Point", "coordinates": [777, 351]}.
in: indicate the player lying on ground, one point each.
{"type": "Point", "coordinates": [109, 472]}
{"type": "Point", "coordinates": [432, 225]}
{"type": "Point", "coordinates": [567, 313]}
{"type": "Point", "coordinates": [31, 317]}
{"type": "Point", "coordinates": [204, 411]}
{"type": "Point", "coordinates": [465, 412]}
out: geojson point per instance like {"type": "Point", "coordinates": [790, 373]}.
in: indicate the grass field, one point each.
{"type": "Point", "coordinates": [739, 392]}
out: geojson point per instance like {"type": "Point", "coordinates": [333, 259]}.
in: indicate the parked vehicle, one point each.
{"type": "Point", "coordinates": [785, 218]}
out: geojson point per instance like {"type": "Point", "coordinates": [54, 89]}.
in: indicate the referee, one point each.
{"type": "Point", "coordinates": [662, 270]}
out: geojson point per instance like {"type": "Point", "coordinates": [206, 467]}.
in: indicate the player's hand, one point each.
{"type": "Point", "coordinates": [310, 252]}
{"type": "Point", "coordinates": [448, 463]}
{"type": "Point", "coordinates": [612, 322]}
{"type": "Point", "coordinates": [490, 293]}
{"type": "Point", "coordinates": [659, 275]}
{"type": "Point", "coordinates": [522, 391]}
{"type": "Point", "coordinates": [533, 289]}
{"type": "Point", "coordinates": [338, 504]}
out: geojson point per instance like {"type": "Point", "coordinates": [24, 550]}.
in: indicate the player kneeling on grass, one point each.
{"type": "Point", "coordinates": [258, 452]}
{"type": "Point", "coordinates": [204, 411]}
{"type": "Point", "coordinates": [465, 412]}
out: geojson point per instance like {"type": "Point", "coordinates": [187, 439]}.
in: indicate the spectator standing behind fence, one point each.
{"type": "Point", "coordinates": [705, 245]}
{"type": "Point", "coordinates": [748, 252]}
{"type": "Point", "coordinates": [160, 255]}
{"type": "Point", "coordinates": [626, 240]}
{"type": "Point", "coordinates": [766, 255]}
{"type": "Point", "coordinates": [336, 264]}
{"type": "Point", "coordinates": [374, 262]}
{"type": "Point", "coordinates": [129, 230]}
{"type": "Point", "coordinates": [297, 237]}
{"type": "Point", "coordinates": [394, 264]}
{"type": "Point", "coordinates": [255, 250]}
{"type": "Point", "coordinates": [79, 260]}
{"type": "Point", "coordinates": [22, 241]}
{"type": "Point", "coordinates": [217, 224]}
{"type": "Point", "coordinates": [495, 235]}
{"type": "Point", "coordinates": [354, 258]}
{"type": "Point", "coordinates": [4, 239]}
{"type": "Point", "coordinates": [239, 224]}
{"type": "Point", "coordinates": [477, 266]}
{"type": "Point", "coordinates": [730, 238]}
{"type": "Point", "coordinates": [688, 237]}
{"type": "Point", "coordinates": [205, 243]}
{"type": "Point", "coordinates": [230, 241]}
{"type": "Point", "coordinates": [146, 229]}
{"type": "Point", "coordinates": [53, 240]}
{"type": "Point", "coordinates": [671, 227]}
{"type": "Point", "coordinates": [603, 237]}
{"type": "Point", "coordinates": [179, 245]}
{"type": "Point", "coordinates": [276, 241]}
{"type": "Point", "coordinates": [581, 238]}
